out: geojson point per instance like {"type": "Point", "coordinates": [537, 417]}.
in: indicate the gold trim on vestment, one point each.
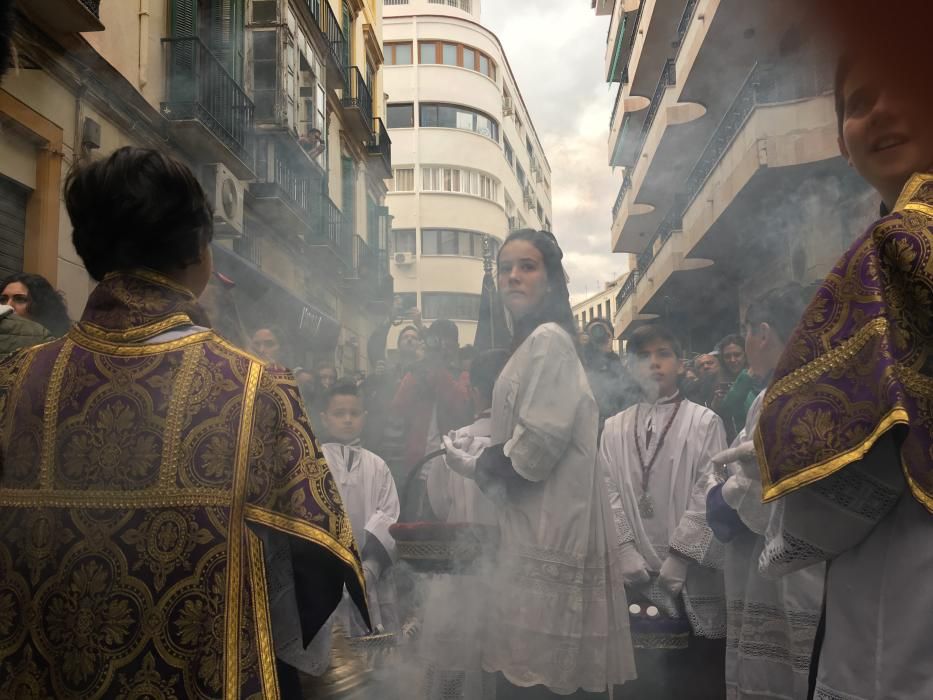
{"type": "Point", "coordinates": [135, 334]}
{"type": "Point", "coordinates": [307, 531]}
{"type": "Point", "coordinates": [105, 347]}
{"type": "Point", "coordinates": [115, 500]}
{"type": "Point", "coordinates": [236, 535]}
{"type": "Point", "coordinates": [916, 181]}
{"type": "Point", "coordinates": [262, 618]}
{"type": "Point", "coordinates": [15, 391]}
{"type": "Point", "coordinates": [840, 354]}
{"type": "Point", "coordinates": [154, 276]}
{"type": "Point", "coordinates": [174, 420]}
{"type": "Point", "coordinates": [819, 471]}
{"type": "Point", "coordinates": [50, 417]}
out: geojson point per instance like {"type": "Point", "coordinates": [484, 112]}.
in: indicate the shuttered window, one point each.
{"type": "Point", "coordinates": [13, 199]}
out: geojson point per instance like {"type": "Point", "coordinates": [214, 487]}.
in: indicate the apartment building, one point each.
{"type": "Point", "coordinates": [468, 164]}
{"type": "Point", "coordinates": [725, 129]}
{"type": "Point", "coordinates": [277, 105]}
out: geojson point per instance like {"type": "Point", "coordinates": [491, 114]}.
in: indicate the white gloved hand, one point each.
{"type": "Point", "coordinates": [734, 489]}
{"type": "Point", "coordinates": [634, 567]}
{"type": "Point", "coordinates": [463, 453]}
{"type": "Point", "coordinates": [673, 574]}
{"type": "Point", "coordinates": [744, 456]}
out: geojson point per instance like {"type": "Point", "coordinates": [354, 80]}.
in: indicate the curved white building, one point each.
{"type": "Point", "coordinates": [466, 159]}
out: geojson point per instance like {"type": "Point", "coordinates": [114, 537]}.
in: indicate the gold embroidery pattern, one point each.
{"type": "Point", "coordinates": [860, 362]}
{"type": "Point", "coordinates": [127, 569]}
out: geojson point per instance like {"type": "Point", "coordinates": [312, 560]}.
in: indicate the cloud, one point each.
{"type": "Point", "coordinates": [561, 77]}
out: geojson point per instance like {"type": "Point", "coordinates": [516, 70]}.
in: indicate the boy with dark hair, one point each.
{"type": "Point", "coordinates": [453, 631]}
{"type": "Point", "coordinates": [370, 499]}
{"type": "Point", "coordinates": [652, 455]}
{"type": "Point", "coordinates": [844, 438]}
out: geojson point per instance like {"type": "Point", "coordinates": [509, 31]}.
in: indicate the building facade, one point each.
{"type": "Point", "coordinates": [725, 129]}
{"type": "Point", "coordinates": [600, 305]}
{"type": "Point", "coordinates": [468, 164]}
{"type": "Point", "coordinates": [275, 104]}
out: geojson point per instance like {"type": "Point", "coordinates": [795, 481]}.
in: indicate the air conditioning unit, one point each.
{"type": "Point", "coordinates": [507, 107]}
{"type": "Point", "coordinates": [529, 196]}
{"type": "Point", "coordinates": [404, 258]}
{"type": "Point", "coordinates": [226, 192]}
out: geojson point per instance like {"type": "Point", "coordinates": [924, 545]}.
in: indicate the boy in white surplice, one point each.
{"type": "Point", "coordinates": [652, 456]}
{"type": "Point", "coordinates": [371, 500]}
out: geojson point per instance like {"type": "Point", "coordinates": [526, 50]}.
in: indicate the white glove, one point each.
{"type": "Point", "coordinates": [634, 567]}
{"type": "Point", "coordinates": [673, 574]}
{"type": "Point", "coordinates": [744, 456]}
{"type": "Point", "coordinates": [734, 489]}
{"type": "Point", "coordinates": [463, 453]}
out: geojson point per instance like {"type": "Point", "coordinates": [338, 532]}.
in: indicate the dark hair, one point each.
{"type": "Point", "coordinates": [7, 25]}
{"type": "Point", "coordinates": [46, 305]}
{"type": "Point", "coordinates": [468, 352]}
{"type": "Point", "coordinates": [731, 339]}
{"type": "Point", "coordinates": [442, 328]}
{"type": "Point", "coordinates": [781, 308]}
{"type": "Point", "coordinates": [341, 388]}
{"type": "Point", "coordinates": [137, 208]}
{"type": "Point", "coordinates": [409, 327]}
{"type": "Point", "coordinates": [653, 333]}
{"type": "Point", "coordinates": [555, 308]}
{"type": "Point", "coordinates": [485, 370]}
{"type": "Point", "coordinates": [843, 69]}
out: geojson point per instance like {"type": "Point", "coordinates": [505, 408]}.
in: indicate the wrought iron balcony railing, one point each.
{"type": "Point", "coordinates": [628, 289]}
{"type": "Point", "coordinates": [357, 96]}
{"type": "Point", "coordinates": [626, 186]}
{"type": "Point", "coordinates": [333, 231]}
{"type": "Point", "coordinates": [381, 146]}
{"type": "Point", "coordinates": [201, 88]}
{"type": "Point", "coordinates": [339, 48]}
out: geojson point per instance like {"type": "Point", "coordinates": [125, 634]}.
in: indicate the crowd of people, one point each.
{"type": "Point", "coordinates": [181, 517]}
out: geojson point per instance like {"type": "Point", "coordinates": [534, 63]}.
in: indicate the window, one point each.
{"type": "Point", "coordinates": [531, 149]}
{"type": "Point", "coordinates": [264, 73]}
{"type": "Point", "coordinates": [509, 206]}
{"type": "Point", "coordinates": [406, 301]}
{"type": "Point", "coordinates": [403, 180]}
{"type": "Point", "coordinates": [469, 244]}
{"type": "Point", "coordinates": [459, 180]}
{"type": "Point", "coordinates": [400, 116]}
{"type": "Point", "coordinates": [404, 240]}
{"type": "Point", "coordinates": [398, 54]}
{"type": "Point", "coordinates": [449, 54]}
{"type": "Point", "coordinates": [509, 154]}
{"type": "Point", "coordinates": [428, 52]}
{"type": "Point", "coordinates": [520, 173]}
{"type": "Point", "coordinates": [462, 307]}
{"type": "Point", "coordinates": [455, 117]}
{"type": "Point", "coordinates": [540, 213]}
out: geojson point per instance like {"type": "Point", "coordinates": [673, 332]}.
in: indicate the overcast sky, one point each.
{"type": "Point", "coordinates": [556, 49]}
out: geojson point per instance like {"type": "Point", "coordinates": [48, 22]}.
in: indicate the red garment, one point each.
{"type": "Point", "coordinates": [416, 397]}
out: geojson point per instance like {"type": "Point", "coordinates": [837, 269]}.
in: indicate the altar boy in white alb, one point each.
{"type": "Point", "coordinates": [653, 455]}
{"type": "Point", "coordinates": [371, 500]}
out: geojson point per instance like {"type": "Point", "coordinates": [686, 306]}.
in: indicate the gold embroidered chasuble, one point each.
{"type": "Point", "coordinates": [860, 363]}
{"type": "Point", "coordinates": [134, 477]}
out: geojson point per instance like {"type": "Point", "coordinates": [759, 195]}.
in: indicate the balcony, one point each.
{"type": "Point", "coordinates": [211, 117]}
{"type": "Point", "coordinates": [65, 15]}
{"type": "Point", "coordinates": [331, 245]}
{"type": "Point", "coordinates": [358, 102]}
{"type": "Point", "coordinates": [289, 189]}
{"type": "Point", "coordinates": [380, 149]}
{"type": "Point", "coordinates": [337, 45]}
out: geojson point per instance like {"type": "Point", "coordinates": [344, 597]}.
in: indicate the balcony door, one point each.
{"type": "Point", "coordinates": [218, 24]}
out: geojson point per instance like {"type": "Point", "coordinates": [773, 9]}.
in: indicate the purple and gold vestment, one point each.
{"type": "Point", "coordinates": [860, 361]}
{"type": "Point", "coordinates": [134, 478]}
